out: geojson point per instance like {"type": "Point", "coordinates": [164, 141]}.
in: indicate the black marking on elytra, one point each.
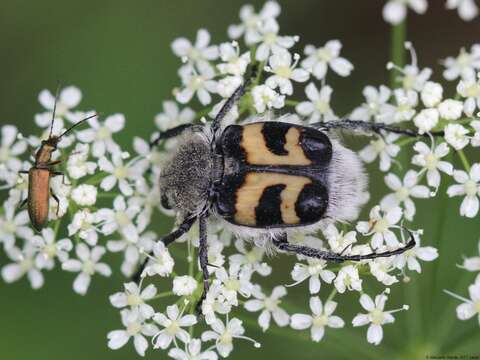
{"type": "Point", "coordinates": [231, 143]}
{"type": "Point", "coordinates": [268, 211]}
{"type": "Point", "coordinates": [274, 135]}
{"type": "Point", "coordinates": [316, 146]}
{"type": "Point", "coordinates": [312, 202]}
{"type": "Point", "coordinates": [227, 195]}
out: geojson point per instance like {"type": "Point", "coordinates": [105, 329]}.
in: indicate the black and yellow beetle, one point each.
{"type": "Point", "coordinates": [265, 179]}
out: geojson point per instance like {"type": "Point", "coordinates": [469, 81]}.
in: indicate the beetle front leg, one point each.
{"type": "Point", "coordinates": [203, 257]}
{"type": "Point", "coordinates": [23, 203]}
{"type": "Point", "coordinates": [59, 173]}
{"type": "Point", "coordinates": [56, 199]}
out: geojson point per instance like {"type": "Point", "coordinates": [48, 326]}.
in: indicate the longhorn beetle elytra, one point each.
{"type": "Point", "coordinates": [39, 175]}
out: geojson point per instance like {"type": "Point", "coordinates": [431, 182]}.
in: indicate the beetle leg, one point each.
{"type": "Point", "coordinates": [23, 203]}
{"type": "Point", "coordinates": [283, 244]}
{"type": "Point", "coordinates": [56, 199]}
{"type": "Point", "coordinates": [23, 172]}
{"type": "Point", "coordinates": [167, 240]}
{"type": "Point", "coordinates": [370, 127]}
{"type": "Point", "coordinates": [56, 162]}
{"type": "Point", "coordinates": [177, 130]}
{"type": "Point", "coordinates": [59, 173]}
{"type": "Point", "coordinates": [203, 257]}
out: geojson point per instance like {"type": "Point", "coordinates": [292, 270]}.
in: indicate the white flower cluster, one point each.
{"type": "Point", "coordinates": [107, 197]}
{"type": "Point", "coordinates": [395, 11]}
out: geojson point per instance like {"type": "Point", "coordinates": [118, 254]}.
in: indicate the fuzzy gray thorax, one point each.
{"type": "Point", "coordinates": [186, 177]}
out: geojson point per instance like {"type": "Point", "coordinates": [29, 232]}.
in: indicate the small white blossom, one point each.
{"type": "Point", "coordinates": [403, 193]}
{"type": "Point", "coordinates": [395, 11]}
{"type": "Point", "coordinates": [13, 225]}
{"type": "Point", "coordinates": [161, 263]}
{"type": "Point", "coordinates": [280, 64]}
{"type": "Point", "coordinates": [470, 307]}
{"type": "Point", "coordinates": [455, 135]}
{"type": "Point", "coordinates": [379, 225]}
{"type": "Point", "coordinates": [406, 101]}
{"type": "Point", "coordinates": [68, 98]}
{"type": "Point", "coordinates": [475, 141]}
{"type": "Point", "coordinates": [430, 160]}
{"type": "Point", "coordinates": [251, 259]}
{"type": "Point", "coordinates": [376, 105]}
{"type": "Point", "coordinates": [464, 65]}
{"type": "Point", "coordinates": [87, 265]}
{"type": "Point", "coordinates": [265, 98]}
{"type": "Point", "coordinates": [136, 298]}
{"type": "Point", "coordinates": [385, 148]}
{"type": "Point", "coordinates": [468, 185]}
{"type": "Point", "coordinates": [450, 109]}
{"type": "Point", "coordinates": [10, 149]}
{"type": "Point", "coordinates": [234, 63]}
{"type": "Point", "coordinates": [136, 328]}
{"type": "Point", "coordinates": [320, 319]}
{"type": "Point", "coordinates": [410, 257]}
{"type": "Point", "coordinates": [193, 351]}
{"type": "Point", "coordinates": [473, 263]}
{"type": "Point", "coordinates": [431, 94]}
{"type": "Point", "coordinates": [23, 264]}
{"type": "Point", "coordinates": [318, 108]}
{"type": "Point", "coordinates": [50, 248]}
{"type": "Point", "coordinates": [467, 9]}
{"type": "Point", "coordinates": [100, 134]}
{"type": "Point", "coordinates": [235, 281]}
{"type": "Point", "coordinates": [83, 223]}
{"type": "Point", "coordinates": [381, 267]}
{"type": "Point", "coordinates": [77, 164]}
{"type": "Point", "coordinates": [200, 53]}
{"type": "Point", "coordinates": [120, 219]}
{"type": "Point", "coordinates": [337, 240]}
{"type": "Point", "coordinates": [196, 81]}
{"type": "Point", "coordinates": [184, 285]}
{"type": "Point", "coordinates": [313, 270]}
{"type": "Point", "coordinates": [172, 324]}
{"type": "Point", "coordinates": [348, 278]}
{"type": "Point", "coordinates": [269, 305]}
{"type": "Point", "coordinates": [426, 120]}
{"type": "Point", "coordinates": [318, 60]}
{"type": "Point", "coordinates": [376, 317]}
{"type": "Point", "coordinates": [85, 195]}
{"type": "Point", "coordinates": [470, 90]}
{"type": "Point", "coordinates": [270, 41]}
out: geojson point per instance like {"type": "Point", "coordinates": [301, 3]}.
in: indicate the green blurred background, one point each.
{"type": "Point", "coordinates": [118, 54]}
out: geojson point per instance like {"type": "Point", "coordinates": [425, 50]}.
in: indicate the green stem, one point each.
{"type": "Point", "coordinates": [162, 295]}
{"type": "Point", "coordinates": [397, 51]}
{"type": "Point", "coordinates": [464, 160]}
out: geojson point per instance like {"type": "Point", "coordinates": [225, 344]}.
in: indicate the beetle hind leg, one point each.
{"type": "Point", "coordinates": [55, 197]}
{"type": "Point", "coordinates": [203, 257]}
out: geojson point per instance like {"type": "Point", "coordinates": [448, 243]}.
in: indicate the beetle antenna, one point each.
{"type": "Point", "coordinates": [54, 108]}
{"type": "Point", "coordinates": [78, 123]}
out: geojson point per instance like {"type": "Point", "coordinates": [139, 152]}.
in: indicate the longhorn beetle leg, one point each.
{"type": "Point", "coordinates": [56, 199]}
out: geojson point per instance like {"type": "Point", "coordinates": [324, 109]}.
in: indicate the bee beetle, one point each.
{"type": "Point", "coordinates": [265, 179]}
{"type": "Point", "coordinates": [39, 191]}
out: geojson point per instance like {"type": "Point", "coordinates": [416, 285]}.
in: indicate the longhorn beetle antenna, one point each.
{"type": "Point", "coordinates": [57, 92]}
{"type": "Point", "coordinates": [78, 123]}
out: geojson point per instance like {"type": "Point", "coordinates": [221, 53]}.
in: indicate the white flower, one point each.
{"type": "Point", "coordinates": [347, 278]}
{"type": "Point", "coordinates": [455, 135]}
{"type": "Point", "coordinates": [77, 164]}
{"type": "Point", "coordinates": [13, 225]}
{"type": "Point", "coordinates": [24, 263]}
{"type": "Point", "coordinates": [280, 64]}
{"type": "Point", "coordinates": [321, 317]}
{"type": "Point", "coordinates": [464, 65]}
{"type": "Point", "coordinates": [233, 63]}
{"type": "Point", "coordinates": [269, 306]}
{"type": "Point", "coordinates": [193, 351]}
{"type": "Point", "coordinates": [87, 265]}
{"type": "Point", "coordinates": [318, 108]}
{"type": "Point", "coordinates": [161, 263]}
{"type": "Point", "coordinates": [198, 53]}
{"type": "Point", "coordinates": [172, 116]}
{"type": "Point", "coordinates": [411, 78]}
{"type": "Point", "coordinates": [475, 141]}
{"type": "Point", "coordinates": [376, 105]}
{"type": "Point", "coordinates": [173, 324]}
{"type": "Point", "coordinates": [430, 160]}
{"type": "Point", "coordinates": [227, 86]}
{"type": "Point", "coordinates": [403, 192]}
{"type": "Point", "coordinates": [469, 89]}
{"type": "Point", "coordinates": [270, 41]}
{"type": "Point", "coordinates": [184, 285]}
{"type": "Point", "coordinates": [196, 81]}
{"type": "Point", "coordinates": [136, 328]}
{"type": "Point", "coordinates": [215, 302]}
{"type": "Point", "coordinates": [85, 195]}
{"type": "Point", "coordinates": [431, 94]}
{"type": "Point", "coordinates": [473, 263]}
{"type": "Point", "coordinates": [224, 335]}
{"type": "Point", "coordinates": [385, 148]}
{"type": "Point", "coordinates": [252, 21]}
{"type": "Point", "coordinates": [119, 172]}
{"type": "Point", "coordinates": [426, 120]}
{"type": "Point", "coordinates": [395, 11]}
{"type": "Point", "coordinates": [135, 297]}
{"type": "Point", "coordinates": [450, 109]}
{"type": "Point", "coordinates": [251, 259]}
{"type": "Point", "coordinates": [9, 150]}
{"type": "Point", "coordinates": [265, 97]}
{"type": "Point", "coordinates": [406, 101]}
{"type": "Point", "coordinates": [337, 240]}
{"type": "Point", "coordinates": [120, 219]}
{"type": "Point", "coordinates": [376, 316]}
{"type": "Point", "coordinates": [83, 224]}
{"type": "Point", "coordinates": [410, 257]}
{"type": "Point", "coordinates": [50, 248]}
{"type": "Point", "coordinates": [470, 307]}
{"type": "Point", "coordinates": [467, 9]}
{"type": "Point", "coordinates": [379, 226]}
{"type": "Point", "coordinates": [235, 281]}
{"type": "Point", "coordinates": [100, 135]}
{"type": "Point", "coordinates": [313, 270]}
{"type": "Point", "coordinates": [69, 97]}
{"type": "Point", "coordinates": [380, 268]}
{"type": "Point", "coordinates": [319, 59]}
{"type": "Point", "coordinates": [469, 185]}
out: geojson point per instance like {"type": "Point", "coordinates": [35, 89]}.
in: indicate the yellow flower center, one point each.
{"type": "Point", "coordinates": [431, 161]}
{"type": "Point", "coordinates": [120, 172]}
{"type": "Point", "coordinates": [320, 321]}
{"type": "Point", "coordinates": [284, 71]}
{"type": "Point", "coordinates": [378, 145]}
{"type": "Point", "coordinates": [134, 328]}
{"type": "Point", "coordinates": [324, 54]}
{"type": "Point", "coordinates": [50, 250]}
{"type": "Point", "coordinates": [134, 300]}
{"type": "Point", "coordinates": [471, 188]}
{"type": "Point", "coordinates": [103, 133]}
{"type": "Point", "coordinates": [402, 193]}
{"type": "Point", "coordinates": [381, 225]}
{"type": "Point", "coordinates": [88, 267]}
{"type": "Point", "coordinates": [377, 316]}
